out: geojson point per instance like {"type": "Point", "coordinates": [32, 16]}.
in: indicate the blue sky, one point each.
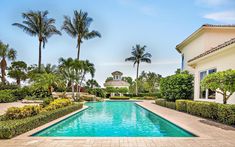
{"type": "Point", "coordinates": [158, 24]}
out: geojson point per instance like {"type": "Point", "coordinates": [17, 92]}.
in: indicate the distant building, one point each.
{"type": "Point", "coordinates": [209, 49]}
{"type": "Point", "coordinates": [117, 81]}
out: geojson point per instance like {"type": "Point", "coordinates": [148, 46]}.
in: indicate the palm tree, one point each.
{"type": "Point", "coordinates": [5, 53]}
{"type": "Point", "coordinates": [78, 28]}
{"type": "Point", "coordinates": [37, 24]}
{"type": "Point", "coordinates": [68, 72]}
{"type": "Point", "coordinates": [87, 67]}
{"type": "Point", "coordinates": [138, 56]}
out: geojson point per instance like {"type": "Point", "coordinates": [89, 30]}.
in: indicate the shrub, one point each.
{"type": "Point", "coordinates": [22, 112]}
{"type": "Point", "coordinates": [58, 103]}
{"type": "Point", "coordinates": [178, 86]}
{"type": "Point", "coordinates": [171, 105]}
{"type": "Point", "coordinates": [47, 101]}
{"type": "Point", "coordinates": [8, 86]}
{"type": "Point", "coordinates": [87, 98]}
{"type": "Point", "coordinates": [203, 109]}
{"type": "Point", "coordinates": [120, 98]}
{"type": "Point", "coordinates": [226, 114]}
{"type": "Point", "coordinates": [11, 128]}
{"type": "Point", "coordinates": [181, 105]}
{"type": "Point", "coordinates": [164, 103]}
{"type": "Point", "coordinates": [6, 96]}
{"type": "Point", "coordinates": [161, 102]}
{"type": "Point", "coordinates": [149, 98]}
{"type": "Point", "coordinates": [21, 93]}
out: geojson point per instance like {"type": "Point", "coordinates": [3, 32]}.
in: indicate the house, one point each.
{"type": "Point", "coordinates": [209, 49]}
{"type": "Point", "coordinates": [117, 82]}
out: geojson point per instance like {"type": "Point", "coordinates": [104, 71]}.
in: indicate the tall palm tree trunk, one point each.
{"type": "Point", "coordinates": [72, 84]}
{"type": "Point", "coordinates": [3, 70]}
{"type": "Point", "coordinates": [18, 81]}
{"type": "Point", "coordinates": [137, 76]}
{"type": "Point", "coordinates": [40, 55]}
{"type": "Point", "coordinates": [78, 46]}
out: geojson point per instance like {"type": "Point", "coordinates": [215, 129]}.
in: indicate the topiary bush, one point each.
{"type": "Point", "coordinates": [6, 96]}
{"type": "Point", "coordinates": [178, 86]}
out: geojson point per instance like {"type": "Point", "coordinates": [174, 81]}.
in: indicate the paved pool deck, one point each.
{"type": "Point", "coordinates": [210, 134]}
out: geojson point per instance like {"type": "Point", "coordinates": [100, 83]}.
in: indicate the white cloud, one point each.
{"type": "Point", "coordinates": [212, 2]}
{"type": "Point", "coordinates": [224, 17]}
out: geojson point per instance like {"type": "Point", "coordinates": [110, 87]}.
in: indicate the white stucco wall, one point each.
{"type": "Point", "coordinates": [223, 60]}
{"type": "Point", "coordinates": [207, 39]}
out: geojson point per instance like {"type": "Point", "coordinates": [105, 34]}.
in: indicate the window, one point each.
{"type": "Point", "coordinates": [182, 62]}
{"type": "Point", "coordinates": [206, 94]}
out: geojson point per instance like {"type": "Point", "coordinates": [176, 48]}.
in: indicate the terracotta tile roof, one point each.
{"type": "Point", "coordinates": [221, 46]}
{"type": "Point", "coordinates": [199, 30]}
{"type": "Point", "coordinates": [211, 25]}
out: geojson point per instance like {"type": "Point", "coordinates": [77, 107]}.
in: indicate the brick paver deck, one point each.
{"type": "Point", "coordinates": [214, 135]}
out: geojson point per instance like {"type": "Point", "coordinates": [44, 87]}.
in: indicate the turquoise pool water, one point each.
{"type": "Point", "coordinates": [114, 119]}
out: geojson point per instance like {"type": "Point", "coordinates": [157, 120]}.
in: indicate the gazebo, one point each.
{"type": "Point", "coordinates": [117, 82]}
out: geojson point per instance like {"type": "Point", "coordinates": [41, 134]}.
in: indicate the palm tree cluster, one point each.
{"type": "Point", "coordinates": [74, 71]}
{"type": "Point", "coordinates": [36, 23]}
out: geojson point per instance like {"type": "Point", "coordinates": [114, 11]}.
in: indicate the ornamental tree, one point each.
{"type": "Point", "coordinates": [222, 82]}
{"type": "Point", "coordinates": [18, 71]}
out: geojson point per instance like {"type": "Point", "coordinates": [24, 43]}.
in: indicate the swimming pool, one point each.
{"type": "Point", "coordinates": [114, 119]}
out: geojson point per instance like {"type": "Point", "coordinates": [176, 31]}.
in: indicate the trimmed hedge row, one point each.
{"type": "Point", "coordinates": [223, 113]}
{"type": "Point", "coordinates": [11, 128]}
{"type": "Point", "coordinates": [120, 98]}
{"type": "Point", "coordinates": [164, 103]}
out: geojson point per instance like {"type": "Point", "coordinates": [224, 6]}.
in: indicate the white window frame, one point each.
{"type": "Point", "coordinates": [207, 90]}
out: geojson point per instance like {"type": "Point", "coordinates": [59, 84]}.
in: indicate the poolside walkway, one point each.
{"type": "Point", "coordinates": [210, 135]}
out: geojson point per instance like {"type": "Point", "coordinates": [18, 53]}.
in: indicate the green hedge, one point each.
{"type": "Point", "coordinates": [120, 98]}
{"type": "Point", "coordinates": [164, 103]}
{"type": "Point", "coordinates": [11, 128]}
{"type": "Point", "coordinates": [224, 113]}
{"type": "Point", "coordinates": [7, 96]}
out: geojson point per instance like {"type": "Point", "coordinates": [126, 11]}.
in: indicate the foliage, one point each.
{"type": "Point", "coordinates": [91, 83]}
{"type": "Point", "coordinates": [36, 23]}
{"type": "Point", "coordinates": [99, 92]}
{"type": "Point", "coordinates": [8, 86]}
{"type": "Point", "coordinates": [138, 56]}
{"type": "Point", "coordinates": [226, 114]}
{"type": "Point", "coordinates": [5, 53]}
{"type": "Point", "coordinates": [108, 79]}
{"type": "Point", "coordinates": [47, 101]}
{"type": "Point", "coordinates": [18, 71]}
{"type": "Point", "coordinates": [116, 90]}
{"type": "Point", "coordinates": [164, 103]}
{"type": "Point", "coordinates": [78, 28]}
{"type": "Point", "coordinates": [120, 98]}
{"type": "Point", "coordinates": [178, 86]}
{"type": "Point", "coordinates": [21, 93]}
{"type": "Point", "coordinates": [87, 98]}
{"type": "Point", "coordinates": [6, 96]}
{"type": "Point", "coordinates": [203, 109]}
{"type": "Point", "coordinates": [223, 113]}
{"type": "Point", "coordinates": [22, 112]}
{"type": "Point", "coordinates": [181, 105]}
{"type": "Point", "coordinates": [149, 82]}
{"type": "Point", "coordinates": [11, 128]}
{"type": "Point", "coordinates": [222, 82]}
{"type": "Point", "coordinates": [46, 81]}
{"type": "Point", "coordinates": [58, 103]}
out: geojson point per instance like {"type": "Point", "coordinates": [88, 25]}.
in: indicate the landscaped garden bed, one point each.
{"type": "Point", "coordinates": [224, 113]}
{"type": "Point", "coordinates": [20, 120]}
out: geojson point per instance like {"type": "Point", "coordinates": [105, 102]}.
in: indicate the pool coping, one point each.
{"type": "Point", "coordinates": [29, 134]}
